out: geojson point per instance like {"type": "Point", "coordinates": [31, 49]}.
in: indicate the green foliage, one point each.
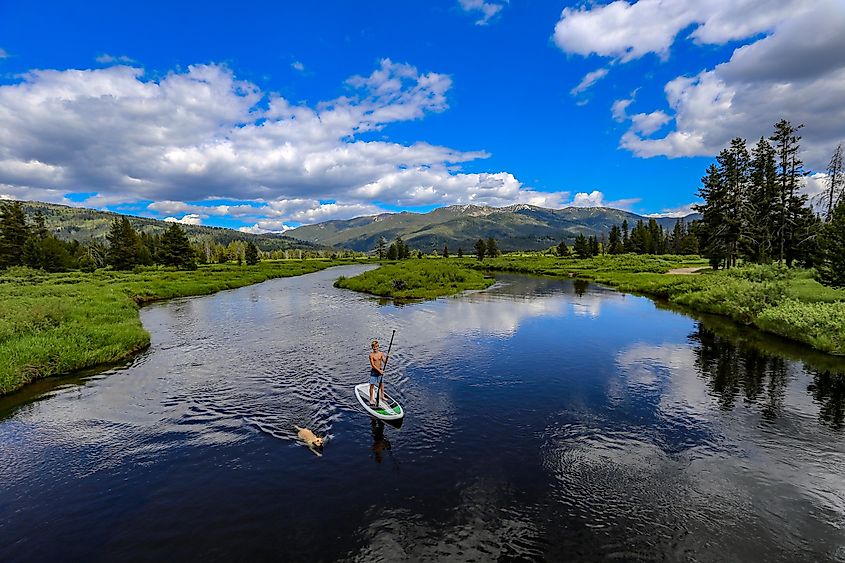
{"type": "Point", "coordinates": [821, 325]}
{"type": "Point", "coordinates": [776, 299]}
{"type": "Point", "coordinates": [831, 267]}
{"type": "Point", "coordinates": [251, 254]}
{"type": "Point", "coordinates": [57, 323]}
{"type": "Point", "coordinates": [124, 251]}
{"type": "Point", "coordinates": [14, 233]}
{"type": "Point", "coordinates": [420, 279]}
{"type": "Point", "coordinates": [480, 249]}
{"type": "Point", "coordinates": [175, 250]}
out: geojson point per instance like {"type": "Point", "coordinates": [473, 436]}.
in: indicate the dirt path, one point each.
{"type": "Point", "coordinates": [687, 271]}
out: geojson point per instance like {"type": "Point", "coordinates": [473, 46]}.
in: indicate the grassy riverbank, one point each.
{"type": "Point", "coordinates": [58, 323]}
{"type": "Point", "coordinates": [418, 279]}
{"type": "Point", "coordinates": [785, 302]}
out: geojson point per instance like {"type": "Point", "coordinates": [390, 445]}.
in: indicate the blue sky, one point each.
{"type": "Point", "coordinates": [455, 102]}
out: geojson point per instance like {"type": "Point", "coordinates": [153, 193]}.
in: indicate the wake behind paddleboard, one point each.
{"type": "Point", "coordinates": [388, 409]}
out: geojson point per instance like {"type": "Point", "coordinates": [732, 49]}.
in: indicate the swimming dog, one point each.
{"type": "Point", "coordinates": [309, 437]}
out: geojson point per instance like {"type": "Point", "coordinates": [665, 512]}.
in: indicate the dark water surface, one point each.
{"type": "Point", "coordinates": [547, 419]}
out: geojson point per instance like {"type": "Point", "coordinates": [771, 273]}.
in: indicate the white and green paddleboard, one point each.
{"type": "Point", "coordinates": [388, 409]}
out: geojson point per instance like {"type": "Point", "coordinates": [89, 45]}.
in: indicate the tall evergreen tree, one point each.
{"type": "Point", "coordinates": [480, 249]}
{"type": "Point", "coordinates": [381, 248]}
{"type": "Point", "coordinates": [594, 246]}
{"type": "Point", "coordinates": [614, 241]}
{"type": "Point", "coordinates": [14, 233]}
{"type": "Point", "coordinates": [445, 251]}
{"type": "Point", "coordinates": [713, 225]}
{"type": "Point", "coordinates": [761, 205]}
{"type": "Point", "coordinates": [831, 266]}
{"type": "Point", "coordinates": [251, 254]}
{"type": "Point", "coordinates": [492, 249]}
{"type": "Point", "coordinates": [124, 245]}
{"type": "Point", "coordinates": [790, 170]}
{"type": "Point", "coordinates": [639, 241]}
{"type": "Point", "coordinates": [460, 252]}
{"type": "Point", "coordinates": [582, 246]}
{"type": "Point", "coordinates": [835, 181]}
{"type": "Point", "coordinates": [678, 233]}
{"type": "Point", "coordinates": [626, 239]}
{"type": "Point", "coordinates": [392, 253]}
{"type": "Point", "coordinates": [562, 249]}
{"type": "Point", "coordinates": [175, 249]}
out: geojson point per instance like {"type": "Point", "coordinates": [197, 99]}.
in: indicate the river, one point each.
{"type": "Point", "coordinates": [546, 420]}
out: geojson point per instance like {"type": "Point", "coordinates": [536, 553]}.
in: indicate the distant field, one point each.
{"type": "Point", "coordinates": [58, 323]}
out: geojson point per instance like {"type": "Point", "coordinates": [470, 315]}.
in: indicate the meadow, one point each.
{"type": "Point", "coordinates": [53, 324]}
{"type": "Point", "coordinates": [418, 279]}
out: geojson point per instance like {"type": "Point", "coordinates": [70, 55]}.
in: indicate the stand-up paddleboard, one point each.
{"type": "Point", "coordinates": [388, 409]}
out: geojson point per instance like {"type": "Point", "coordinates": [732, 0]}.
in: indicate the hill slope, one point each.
{"type": "Point", "coordinates": [76, 223]}
{"type": "Point", "coordinates": [517, 227]}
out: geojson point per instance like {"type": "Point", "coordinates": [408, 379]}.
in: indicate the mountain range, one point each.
{"type": "Point", "coordinates": [516, 227]}
{"type": "Point", "coordinates": [77, 223]}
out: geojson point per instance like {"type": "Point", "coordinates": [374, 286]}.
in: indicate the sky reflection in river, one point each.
{"type": "Point", "coordinates": [547, 419]}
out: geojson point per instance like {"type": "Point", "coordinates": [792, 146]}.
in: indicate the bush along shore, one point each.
{"type": "Point", "coordinates": [779, 300]}
{"type": "Point", "coordinates": [54, 324]}
{"type": "Point", "coordinates": [418, 279]}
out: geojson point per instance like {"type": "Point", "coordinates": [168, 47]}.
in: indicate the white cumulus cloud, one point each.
{"type": "Point", "coordinates": [189, 219]}
{"type": "Point", "coordinates": [791, 67]}
{"type": "Point", "coordinates": [202, 135]}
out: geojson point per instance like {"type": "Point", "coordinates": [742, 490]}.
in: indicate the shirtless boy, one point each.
{"type": "Point", "coordinates": [376, 371]}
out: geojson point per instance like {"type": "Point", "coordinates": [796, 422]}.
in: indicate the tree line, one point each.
{"type": "Point", "coordinates": [31, 244]}
{"type": "Point", "coordinates": [645, 238]}
{"type": "Point", "coordinates": [754, 210]}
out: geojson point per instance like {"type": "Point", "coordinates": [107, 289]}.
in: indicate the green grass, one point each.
{"type": "Point", "coordinates": [53, 324]}
{"type": "Point", "coordinates": [789, 303]}
{"type": "Point", "coordinates": [417, 279]}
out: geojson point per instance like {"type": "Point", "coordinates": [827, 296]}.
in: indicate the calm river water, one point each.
{"type": "Point", "coordinates": [547, 419]}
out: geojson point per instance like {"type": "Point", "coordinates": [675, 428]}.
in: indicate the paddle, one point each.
{"type": "Point", "coordinates": [383, 368]}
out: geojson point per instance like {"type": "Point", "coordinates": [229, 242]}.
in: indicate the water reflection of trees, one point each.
{"type": "Point", "coordinates": [828, 389]}
{"type": "Point", "coordinates": [735, 371]}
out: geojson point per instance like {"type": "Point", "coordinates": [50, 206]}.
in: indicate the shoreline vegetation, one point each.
{"type": "Point", "coordinates": [786, 302]}
{"type": "Point", "coordinates": [418, 279]}
{"type": "Point", "coordinates": [60, 323]}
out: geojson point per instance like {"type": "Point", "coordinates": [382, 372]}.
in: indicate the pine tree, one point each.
{"type": "Point", "coordinates": [594, 246]}
{"type": "Point", "coordinates": [562, 249]}
{"type": "Point", "coordinates": [626, 240]}
{"type": "Point", "coordinates": [480, 249]}
{"type": "Point", "coordinates": [615, 241]}
{"type": "Point", "coordinates": [14, 233]}
{"type": "Point", "coordinates": [381, 248]}
{"type": "Point", "coordinates": [835, 181]}
{"type": "Point", "coordinates": [175, 249]}
{"type": "Point", "coordinates": [39, 228]}
{"type": "Point", "coordinates": [492, 249]}
{"type": "Point", "coordinates": [790, 169]}
{"type": "Point", "coordinates": [251, 254]}
{"type": "Point", "coordinates": [831, 266]}
{"type": "Point", "coordinates": [712, 224]}
{"type": "Point", "coordinates": [124, 245]}
{"type": "Point", "coordinates": [639, 241]}
{"type": "Point", "coordinates": [445, 251]}
{"type": "Point", "coordinates": [460, 252]}
{"type": "Point", "coordinates": [581, 246]}
{"type": "Point", "coordinates": [392, 254]}
{"type": "Point", "coordinates": [761, 204]}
